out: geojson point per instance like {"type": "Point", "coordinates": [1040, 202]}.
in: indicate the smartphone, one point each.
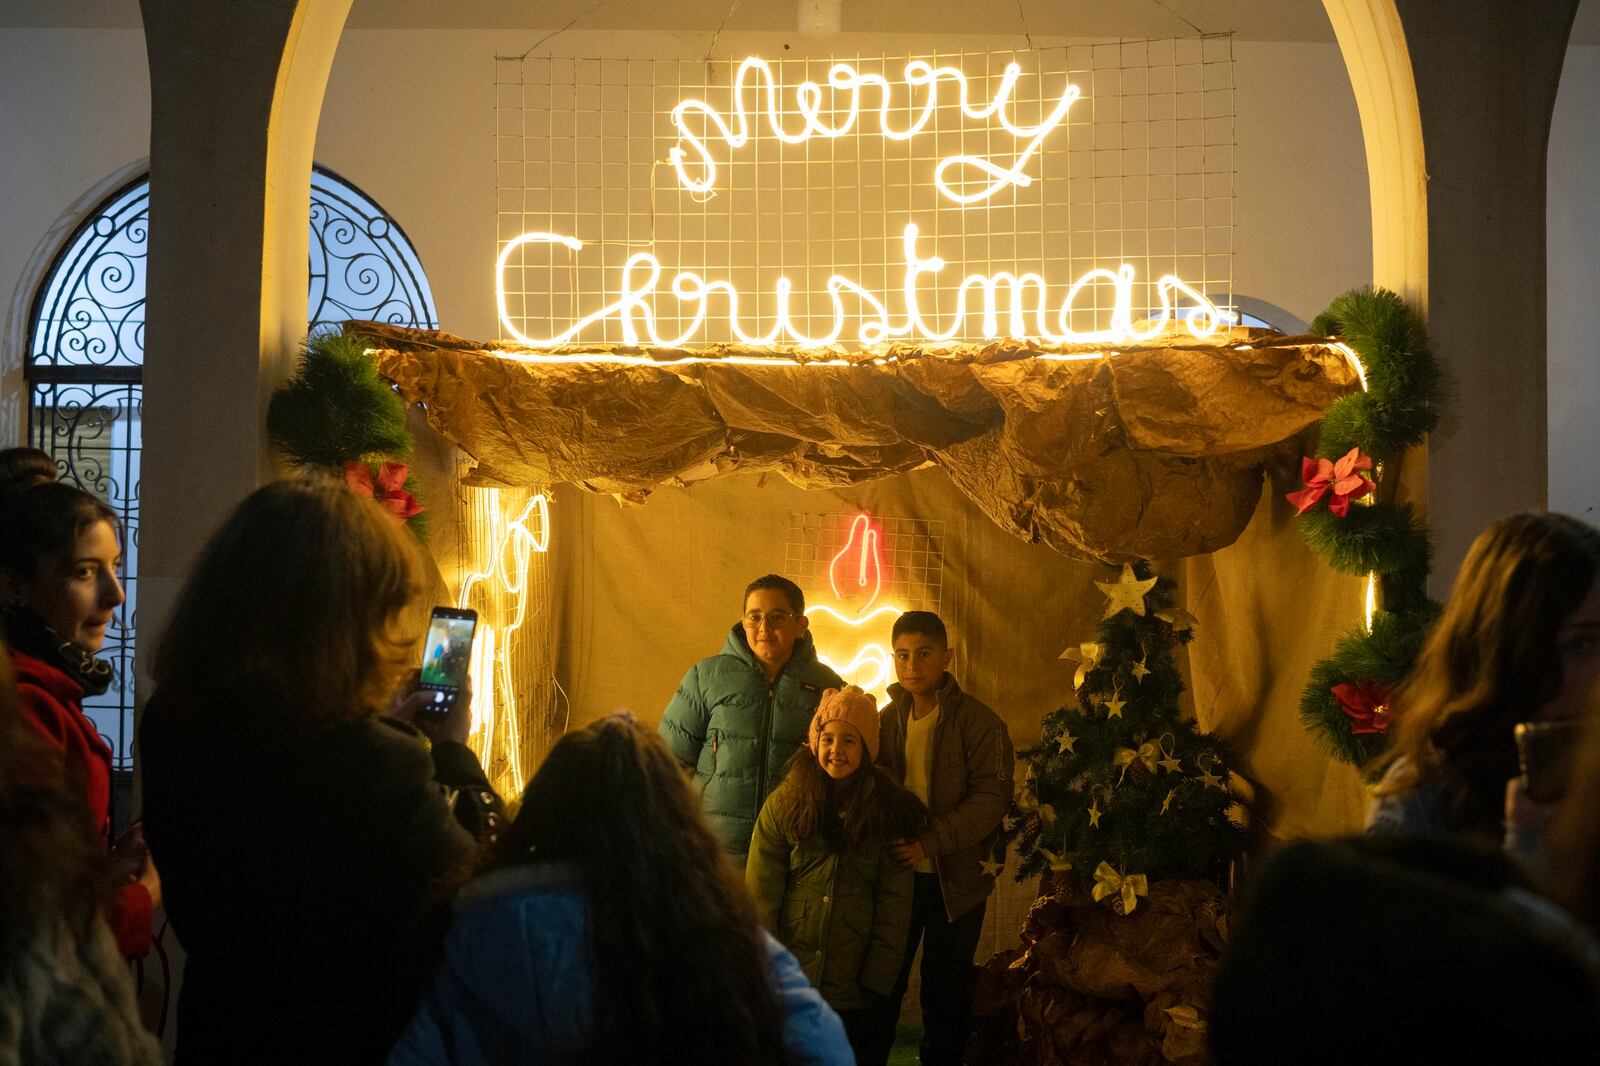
{"type": "Point", "coordinates": [1545, 751]}
{"type": "Point", "coordinates": [446, 656]}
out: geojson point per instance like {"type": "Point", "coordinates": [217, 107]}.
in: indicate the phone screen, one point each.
{"type": "Point", "coordinates": [447, 654]}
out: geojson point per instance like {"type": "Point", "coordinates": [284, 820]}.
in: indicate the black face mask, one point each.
{"type": "Point", "coordinates": [28, 633]}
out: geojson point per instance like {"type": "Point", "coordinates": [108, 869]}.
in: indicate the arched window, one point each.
{"type": "Point", "coordinates": [85, 363]}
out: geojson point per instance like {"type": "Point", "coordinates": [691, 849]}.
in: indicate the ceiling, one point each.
{"type": "Point", "coordinates": [1263, 20]}
{"type": "Point", "coordinates": [1251, 20]}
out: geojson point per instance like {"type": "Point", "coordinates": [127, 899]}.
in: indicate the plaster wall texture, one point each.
{"type": "Point", "coordinates": [1573, 268]}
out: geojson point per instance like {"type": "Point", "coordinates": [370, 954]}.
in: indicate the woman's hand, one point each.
{"type": "Point", "coordinates": [455, 724]}
{"type": "Point", "coordinates": [1526, 821]}
{"type": "Point", "coordinates": [413, 705]}
{"type": "Point", "coordinates": [150, 878]}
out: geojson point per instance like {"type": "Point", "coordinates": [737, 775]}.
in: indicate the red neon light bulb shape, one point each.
{"type": "Point", "coordinates": [857, 571]}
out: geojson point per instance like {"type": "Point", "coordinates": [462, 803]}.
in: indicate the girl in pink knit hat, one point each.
{"type": "Point", "coordinates": [821, 873]}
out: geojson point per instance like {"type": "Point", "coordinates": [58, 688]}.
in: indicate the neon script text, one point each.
{"type": "Point", "coordinates": [1007, 305]}
{"type": "Point", "coordinates": [697, 170]}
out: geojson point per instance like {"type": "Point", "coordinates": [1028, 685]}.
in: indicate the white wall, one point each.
{"type": "Point", "coordinates": [74, 111]}
{"type": "Point", "coordinates": [1573, 256]}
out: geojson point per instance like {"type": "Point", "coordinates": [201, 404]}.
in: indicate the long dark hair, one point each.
{"type": "Point", "coordinates": [51, 865]}
{"type": "Point", "coordinates": [297, 608]}
{"type": "Point", "coordinates": [1492, 660]}
{"type": "Point", "coordinates": [681, 962]}
{"type": "Point", "coordinates": [867, 805]}
{"type": "Point", "coordinates": [41, 521]}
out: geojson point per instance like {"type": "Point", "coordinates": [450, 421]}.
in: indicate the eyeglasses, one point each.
{"type": "Point", "coordinates": [774, 620]}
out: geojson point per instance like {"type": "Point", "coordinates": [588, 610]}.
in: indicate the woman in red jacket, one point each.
{"type": "Point", "coordinates": [59, 556]}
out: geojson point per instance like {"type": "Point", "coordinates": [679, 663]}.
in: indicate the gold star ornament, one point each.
{"type": "Point", "coordinates": [1126, 593]}
{"type": "Point", "coordinates": [991, 867]}
{"type": "Point", "coordinates": [1115, 704]}
{"type": "Point", "coordinates": [1166, 803]}
{"type": "Point", "coordinates": [1094, 814]}
{"type": "Point", "coordinates": [1065, 743]}
{"type": "Point", "coordinates": [1211, 780]}
{"type": "Point", "coordinates": [1140, 670]}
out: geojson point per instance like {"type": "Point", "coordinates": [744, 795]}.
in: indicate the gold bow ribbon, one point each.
{"type": "Point", "coordinates": [1149, 753]}
{"type": "Point", "coordinates": [1108, 882]}
{"type": "Point", "coordinates": [1058, 863]}
{"type": "Point", "coordinates": [1088, 657]}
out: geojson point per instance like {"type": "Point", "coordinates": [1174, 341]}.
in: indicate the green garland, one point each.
{"type": "Point", "coordinates": [1397, 412]}
{"type": "Point", "coordinates": [336, 409]}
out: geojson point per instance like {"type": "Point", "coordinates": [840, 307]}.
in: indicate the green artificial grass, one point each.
{"type": "Point", "coordinates": [907, 1039]}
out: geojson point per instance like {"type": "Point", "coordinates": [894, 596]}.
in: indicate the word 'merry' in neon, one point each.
{"type": "Point", "coordinates": [699, 173]}
{"type": "Point", "coordinates": [1002, 300]}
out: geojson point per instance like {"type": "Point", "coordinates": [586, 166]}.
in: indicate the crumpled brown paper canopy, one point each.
{"type": "Point", "coordinates": [1152, 452]}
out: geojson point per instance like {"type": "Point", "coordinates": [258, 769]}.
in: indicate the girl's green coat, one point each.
{"type": "Point", "coordinates": [844, 915]}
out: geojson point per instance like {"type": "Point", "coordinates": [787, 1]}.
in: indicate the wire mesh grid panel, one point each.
{"type": "Point", "coordinates": [909, 575]}
{"type": "Point", "coordinates": [734, 175]}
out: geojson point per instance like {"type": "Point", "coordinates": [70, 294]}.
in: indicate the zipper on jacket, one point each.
{"type": "Point", "coordinates": [766, 744]}
{"type": "Point", "coordinates": [716, 736]}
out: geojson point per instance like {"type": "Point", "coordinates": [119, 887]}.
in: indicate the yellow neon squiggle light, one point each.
{"type": "Point", "coordinates": [853, 620]}
{"type": "Point", "coordinates": [491, 658]}
{"type": "Point", "coordinates": [874, 653]}
{"type": "Point", "coordinates": [1002, 298]}
{"type": "Point", "coordinates": [845, 79]}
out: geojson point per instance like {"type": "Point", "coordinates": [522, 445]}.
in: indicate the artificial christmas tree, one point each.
{"type": "Point", "coordinates": [1122, 786]}
{"type": "Point", "coordinates": [1129, 812]}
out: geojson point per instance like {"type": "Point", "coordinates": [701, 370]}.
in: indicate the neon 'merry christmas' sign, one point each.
{"type": "Point", "coordinates": [991, 306]}
{"type": "Point", "coordinates": [845, 79]}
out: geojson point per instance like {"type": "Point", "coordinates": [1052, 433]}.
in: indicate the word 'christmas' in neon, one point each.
{"type": "Point", "coordinates": [1006, 304]}
{"type": "Point", "coordinates": [697, 170]}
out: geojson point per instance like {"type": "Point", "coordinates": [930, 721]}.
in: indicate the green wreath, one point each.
{"type": "Point", "coordinates": [1345, 702]}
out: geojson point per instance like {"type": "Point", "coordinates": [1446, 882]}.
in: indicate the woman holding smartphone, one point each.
{"type": "Point", "coordinates": [1519, 641]}
{"type": "Point", "coordinates": [302, 831]}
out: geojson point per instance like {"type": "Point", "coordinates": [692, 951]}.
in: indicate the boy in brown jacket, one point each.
{"type": "Point", "coordinates": [955, 755]}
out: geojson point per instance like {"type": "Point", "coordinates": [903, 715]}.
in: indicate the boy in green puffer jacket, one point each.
{"type": "Point", "coordinates": [737, 717]}
{"type": "Point", "coordinates": [821, 873]}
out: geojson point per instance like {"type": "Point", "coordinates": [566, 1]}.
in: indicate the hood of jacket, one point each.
{"type": "Point", "coordinates": [803, 654]}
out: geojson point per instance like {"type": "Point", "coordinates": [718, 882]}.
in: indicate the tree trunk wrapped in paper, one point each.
{"type": "Point", "coordinates": [1091, 987]}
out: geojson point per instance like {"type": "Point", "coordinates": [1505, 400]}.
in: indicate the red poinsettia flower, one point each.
{"type": "Point", "coordinates": [388, 488]}
{"type": "Point", "coordinates": [1342, 478]}
{"type": "Point", "coordinates": [1366, 703]}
